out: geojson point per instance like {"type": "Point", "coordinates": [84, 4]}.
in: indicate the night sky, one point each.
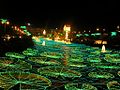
{"type": "Point", "coordinates": [53, 13]}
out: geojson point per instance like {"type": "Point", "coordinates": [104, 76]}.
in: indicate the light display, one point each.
{"type": "Point", "coordinates": [52, 55]}
{"type": "Point", "coordinates": [71, 86]}
{"type": "Point", "coordinates": [60, 65]}
{"type": "Point", "coordinates": [25, 79]}
{"type": "Point", "coordinates": [105, 75]}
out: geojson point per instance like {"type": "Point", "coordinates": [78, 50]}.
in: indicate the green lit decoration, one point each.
{"type": "Point", "coordinates": [97, 74]}
{"type": "Point", "coordinates": [54, 55]}
{"type": "Point", "coordinates": [14, 55]}
{"type": "Point", "coordinates": [105, 66]}
{"type": "Point", "coordinates": [74, 86]}
{"type": "Point", "coordinates": [56, 71]}
{"type": "Point", "coordinates": [44, 61]}
{"type": "Point", "coordinates": [25, 79]}
{"type": "Point", "coordinates": [113, 33]}
{"type": "Point", "coordinates": [30, 52]}
{"type": "Point", "coordinates": [94, 59]}
{"type": "Point", "coordinates": [23, 27]}
{"type": "Point", "coordinates": [13, 65]}
{"type": "Point", "coordinates": [71, 86]}
{"type": "Point", "coordinates": [112, 58]}
{"type": "Point", "coordinates": [87, 86]}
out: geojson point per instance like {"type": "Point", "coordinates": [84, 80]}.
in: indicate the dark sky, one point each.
{"type": "Point", "coordinates": [56, 12]}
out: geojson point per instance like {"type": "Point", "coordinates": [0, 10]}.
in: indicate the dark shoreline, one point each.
{"type": "Point", "coordinates": [15, 45]}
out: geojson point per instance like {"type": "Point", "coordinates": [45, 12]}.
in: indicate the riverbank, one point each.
{"type": "Point", "coordinates": [15, 45]}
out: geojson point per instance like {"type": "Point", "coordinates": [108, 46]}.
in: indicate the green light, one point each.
{"type": "Point", "coordinates": [86, 35]}
{"type": "Point", "coordinates": [23, 27]}
{"type": "Point", "coordinates": [113, 33]}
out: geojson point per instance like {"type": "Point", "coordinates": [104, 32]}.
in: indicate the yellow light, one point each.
{"type": "Point", "coordinates": [7, 22]}
{"type": "Point", "coordinates": [44, 32]}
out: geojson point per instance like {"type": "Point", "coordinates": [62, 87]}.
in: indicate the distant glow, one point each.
{"type": "Point", "coordinates": [66, 28]}
{"type": "Point", "coordinates": [104, 42]}
{"type": "Point", "coordinates": [97, 29]}
{"type": "Point", "coordinates": [28, 24]}
{"type": "Point", "coordinates": [98, 42]}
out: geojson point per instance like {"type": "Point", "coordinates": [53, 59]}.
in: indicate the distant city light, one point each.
{"type": "Point", "coordinates": [28, 24]}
